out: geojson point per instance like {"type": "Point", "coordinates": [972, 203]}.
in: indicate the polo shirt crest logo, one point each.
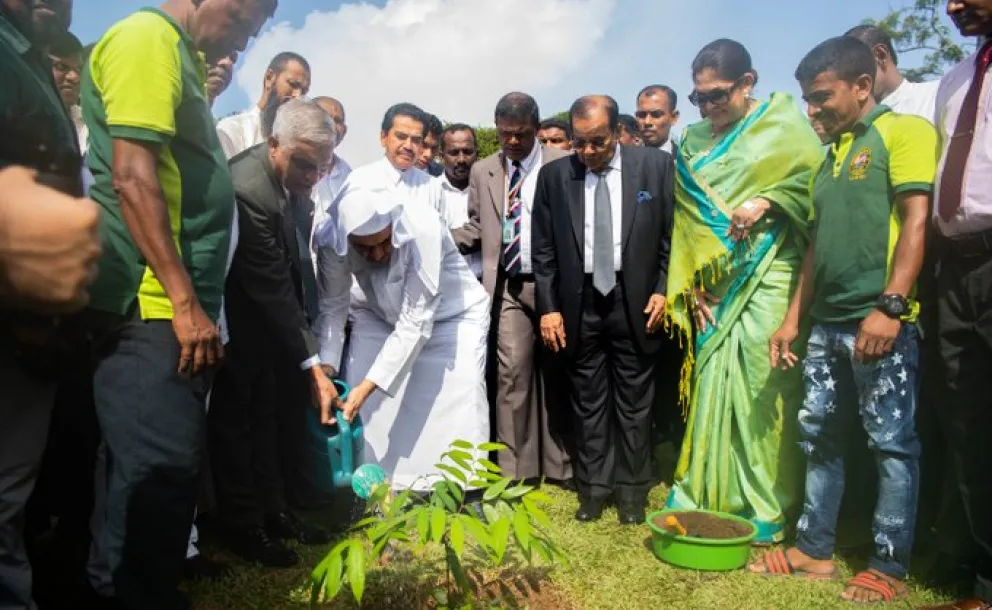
{"type": "Point", "coordinates": [858, 169]}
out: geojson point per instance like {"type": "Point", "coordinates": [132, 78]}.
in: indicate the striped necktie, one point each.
{"type": "Point", "coordinates": [511, 249]}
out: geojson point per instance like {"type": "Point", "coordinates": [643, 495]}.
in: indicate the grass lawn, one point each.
{"type": "Point", "coordinates": [611, 568]}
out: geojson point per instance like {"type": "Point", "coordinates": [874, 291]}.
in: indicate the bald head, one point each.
{"type": "Point", "coordinates": [336, 109]}
{"type": "Point", "coordinates": [590, 107]}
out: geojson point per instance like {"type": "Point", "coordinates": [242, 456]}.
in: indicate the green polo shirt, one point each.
{"type": "Point", "coordinates": [856, 220]}
{"type": "Point", "coordinates": [37, 131]}
{"type": "Point", "coordinates": [145, 82]}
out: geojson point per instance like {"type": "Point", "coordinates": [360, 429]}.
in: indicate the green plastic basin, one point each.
{"type": "Point", "coordinates": [700, 553]}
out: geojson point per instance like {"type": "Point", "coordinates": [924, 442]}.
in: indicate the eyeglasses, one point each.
{"type": "Point", "coordinates": [714, 96]}
{"type": "Point", "coordinates": [596, 143]}
{"type": "Point", "coordinates": [64, 68]}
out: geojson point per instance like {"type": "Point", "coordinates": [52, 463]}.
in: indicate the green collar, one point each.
{"type": "Point", "coordinates": [865, 122]}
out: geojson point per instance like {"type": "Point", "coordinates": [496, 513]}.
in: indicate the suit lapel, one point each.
{"type": "Point", "coordinates": [629, 179]}
{"type": "Point", "coordinates": [576, 197]}
{"type": "Point", "coordinates": [285, 214]}
{"type": "Point", "coordinates": [497, 186]}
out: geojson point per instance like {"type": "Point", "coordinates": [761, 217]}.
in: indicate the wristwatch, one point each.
{"type": "Point", "coordinates": [895, 306]}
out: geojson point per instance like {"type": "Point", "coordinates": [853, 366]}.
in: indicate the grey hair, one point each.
{"type": "Point", "coordinates": [303, 121]}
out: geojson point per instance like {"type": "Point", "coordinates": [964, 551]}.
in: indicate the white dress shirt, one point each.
{"type": "Point", "coordinates": [614, 182]}
{"type": "Point", "coordinates": [530, 168]}
{"type": "Point", "coordinates": [240, 132]}
{"type": "Point", "coordinates": [668, 146]}
{"type": "Point", "coordinates": [975, 213]}
{"type": "Point", "coordinates": [323, 195]}
{"type": "Point", "coordinates": [914, 98]}
{"type": "Point", "coordinates": [456, 215]}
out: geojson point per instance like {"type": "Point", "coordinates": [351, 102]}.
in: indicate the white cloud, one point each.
{"type": "Point", "coordinates": [454, 58]}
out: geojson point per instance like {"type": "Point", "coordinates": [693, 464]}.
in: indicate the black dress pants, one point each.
{"type": "Point", "coordinates": [248, 406]}
{"type": "Point", "coordinates": [612, 393]}
{"type": "Point", "coordinates": [964, 300]}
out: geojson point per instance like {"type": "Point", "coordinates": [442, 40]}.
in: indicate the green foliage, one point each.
{"type": "Point", "coordinates": [512, 525]}
{"type": "Point", "coordinates": [920, 27]}
{"type": "Point", "coordinates": [488, 143]}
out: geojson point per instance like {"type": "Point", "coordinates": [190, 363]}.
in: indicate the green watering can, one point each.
{"type": "Point", "coordinates": [345, 447]}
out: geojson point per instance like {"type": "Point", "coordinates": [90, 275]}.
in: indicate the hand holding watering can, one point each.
{"type": "Point", "coordinates": [346, 446]}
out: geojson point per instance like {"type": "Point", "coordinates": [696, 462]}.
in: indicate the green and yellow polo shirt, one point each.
{"type": "Point", "coordinates": [856, 220]}
{"type": "Point", "coordinates": [146, 81]}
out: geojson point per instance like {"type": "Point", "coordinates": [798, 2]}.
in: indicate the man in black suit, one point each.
{"type": "Point", "coordinates": [271, 304]}
{"type": "Point", "coordinates": [601, 240]}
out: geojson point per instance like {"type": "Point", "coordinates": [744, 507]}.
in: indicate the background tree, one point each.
{"type": "Point", "coordinates": [922, 27]}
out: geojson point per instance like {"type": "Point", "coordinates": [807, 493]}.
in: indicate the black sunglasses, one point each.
{"type": "Point", "coordinates": [715, 96]}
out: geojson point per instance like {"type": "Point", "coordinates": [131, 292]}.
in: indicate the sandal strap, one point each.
{"type": "Point", "coordinates": [871, 581]}
{"type": "Point", "coordinates": [777, 562]}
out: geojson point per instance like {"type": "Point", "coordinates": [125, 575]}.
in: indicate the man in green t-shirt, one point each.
{"type": "Point", "coordinates": [167, 202]}
{"type": "Point", "coordinates": [871, 199]}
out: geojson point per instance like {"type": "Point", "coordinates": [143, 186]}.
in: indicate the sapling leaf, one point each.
{"type": "Point", "coordinates": [437, 524]}
{"type": "Point", "coordinates": [356, 570]}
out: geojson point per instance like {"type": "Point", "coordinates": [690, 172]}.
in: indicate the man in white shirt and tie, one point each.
{"type": "Point", "coordinates": [459, 151]}
{"type": "Point", "coordinates": [287, 77]}
{"type": "Point", "coordinates": [601, 240]}
{"type": "Point", "coordinates": [891, 87]}
{"type": "Point", "coordinates": [656, 115]}
{"type": "Point", "coordinates": [962, 218]}
{"type": "Point", "coordinates": [501, 196]}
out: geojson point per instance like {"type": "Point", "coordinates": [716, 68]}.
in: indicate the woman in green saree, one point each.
{"type": "Point", "coordinates": [741, 222]}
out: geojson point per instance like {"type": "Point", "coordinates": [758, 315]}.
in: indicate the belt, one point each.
{"type": "Point", "coordinates": [968, 245]}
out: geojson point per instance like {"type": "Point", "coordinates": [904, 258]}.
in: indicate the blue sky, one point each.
{"type": "Point", "coordinates": [455, 57]}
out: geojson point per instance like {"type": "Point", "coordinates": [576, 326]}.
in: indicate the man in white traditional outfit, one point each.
{"type": "Point", "coordinates": [460, 151]}
{"type": "Point", "coordinates": [287, 77]}
{"type": "Point", "coordinates": [419, 318]}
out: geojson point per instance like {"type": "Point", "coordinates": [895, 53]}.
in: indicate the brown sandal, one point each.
{"type": "Point", "coordinates": [872, 580]}
{"type": "Point", "coordinates": [777, 563]}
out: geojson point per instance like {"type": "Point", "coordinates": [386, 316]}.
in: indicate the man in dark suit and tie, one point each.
{"type": "Point", "coordinates": [271, 305]}
{"type": "Point", "coordinates": [602, 234]}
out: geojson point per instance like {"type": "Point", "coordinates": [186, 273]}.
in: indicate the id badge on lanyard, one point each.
{"type": "Point", "coordinates": [508, 227]}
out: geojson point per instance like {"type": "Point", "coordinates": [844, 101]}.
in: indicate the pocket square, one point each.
{"type": "Point", "coordinates": [643, 196]}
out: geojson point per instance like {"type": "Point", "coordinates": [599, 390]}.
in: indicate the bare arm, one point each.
{"type": "Point", "coordinates": [803, 297]}
{"type": "Point", "coordinates": [908, 258]}
{"type": "Point", "coordinates": [145, 212]}
{"type": "Point", "coordinates": [144, 209]}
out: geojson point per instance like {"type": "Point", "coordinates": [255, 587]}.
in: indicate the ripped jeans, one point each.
{"type": "Point", "coordinates": [883, 394]}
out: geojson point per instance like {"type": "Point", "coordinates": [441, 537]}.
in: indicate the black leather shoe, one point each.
{"type": "Point", "coordinates": [631, 514]}
{"type": "Point", "coordinates": [589, 510]}
{"type": "Point", "coordinates": [203, 568]}
{"type": "Point", "coordinates": [254, 544]}
{"type": "Point", "coordinates": [287, 526]}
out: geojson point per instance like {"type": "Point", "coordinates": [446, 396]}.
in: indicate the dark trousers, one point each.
{"type": "Point", "coordinates": [964, 300]}
{"type": "Point", "coordinates": [64, 489]}
{"type": "Point", "coordinates": [25, 410]}
{"type": "Point", "coordinates": [254, 394]}
{"type": "Point", "coordinates": [612, 392]}
{"type": "Point", "coordinates": [154, 422]}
